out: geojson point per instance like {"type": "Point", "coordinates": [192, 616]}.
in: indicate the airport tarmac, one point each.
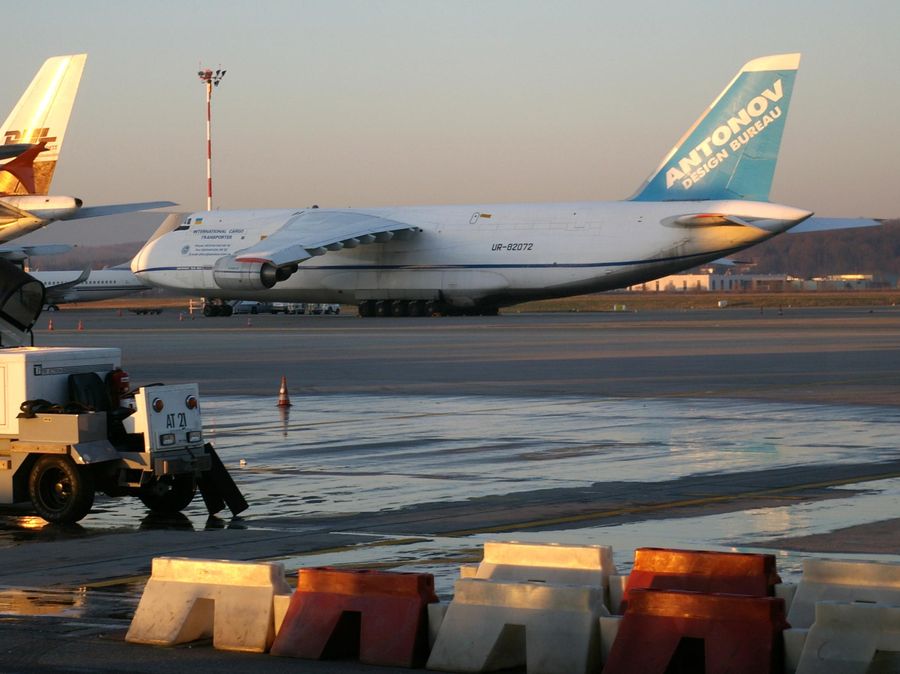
{"type": "Point", "coordinates": [412, 441]}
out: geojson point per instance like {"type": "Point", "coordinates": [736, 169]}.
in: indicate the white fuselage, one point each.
{"type": "Point", "coordinates": [472, 255]}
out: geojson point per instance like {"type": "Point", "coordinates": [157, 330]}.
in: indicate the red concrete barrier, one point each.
{"type": "Point", "coordinates": [747, 574]}
{"type": "Point", "coordinates": [379, 616]}
{"type": "Point", "coordinates": [677, 631]}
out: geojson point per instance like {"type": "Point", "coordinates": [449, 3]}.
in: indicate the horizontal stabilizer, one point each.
{"type": "Point", "coordinates": [15, 149]}
{"type": "Point", "coordinates": [815, 224]}
{"type": "Point", "coordinates": [115, 209]}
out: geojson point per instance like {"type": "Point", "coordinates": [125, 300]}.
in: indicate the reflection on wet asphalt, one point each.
{"type": "Point", "coordinates": [339, 455]}
{"type": "Point", "coordinates": [346, 454]}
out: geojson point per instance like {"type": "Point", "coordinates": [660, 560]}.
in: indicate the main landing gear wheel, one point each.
{"type": "Point", "coordinates": [169, 495]}
{"type": "Point", "coordinates": [61, 491]}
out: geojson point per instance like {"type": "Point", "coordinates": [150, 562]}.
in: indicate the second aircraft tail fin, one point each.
{"type": "Point", "coordinates": [730, 152]}
{"type": "Point", "coordinates": [39, 120]}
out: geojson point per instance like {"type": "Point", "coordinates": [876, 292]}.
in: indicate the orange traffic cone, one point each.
{"type": "Point", "coordinates": [181, 316]}
{"type": "Point", "coordinates": [50, 325]}
{"type": "Point", "coordinates": [80, 325]}
{"type": "Point", "coordinates": [283, 399]}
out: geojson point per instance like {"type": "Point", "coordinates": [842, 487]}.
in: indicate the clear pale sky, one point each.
{"type": "Point", "coordinates": [389, 102]}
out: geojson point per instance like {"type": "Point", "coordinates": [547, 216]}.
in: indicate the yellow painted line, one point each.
{"type": "Point", "coordinates": [684, 503]}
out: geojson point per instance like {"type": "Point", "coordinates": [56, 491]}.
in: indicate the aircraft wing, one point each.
{"type": "Point", "coordinates": [55, 294]}
{"type": "Point", "coordinates": [315, 232]}
{"type": "Point", "coordinates": [115, 209]}
{"type": "Point", "coordinates": [19, 253]}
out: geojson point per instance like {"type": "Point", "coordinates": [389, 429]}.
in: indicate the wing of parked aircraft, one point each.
{"type": "Point", "coordinates": [307, 234]}
{"type": "Point", "coordinates": [55, 294]}
{"type": "Point", "coordinates": [314, 232]}
{"type": "Point", "coordinates": [116, 209]}
{"type": "Point", "coordinates": [19, 253]}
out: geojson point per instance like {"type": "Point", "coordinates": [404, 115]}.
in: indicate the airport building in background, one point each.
{"type": "Point", "coordinates": [711, 280]}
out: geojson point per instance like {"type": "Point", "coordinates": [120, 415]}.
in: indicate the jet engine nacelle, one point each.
{"type": "Point", "coordinates": [45, 207]}
{"type": "Point", "coordinates": [231, 274]}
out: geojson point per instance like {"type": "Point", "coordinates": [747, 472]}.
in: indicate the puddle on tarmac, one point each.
{"type": "Point", "coordinates": [352, 453]}
{"type": "Point", "coordinates": [346, 454]}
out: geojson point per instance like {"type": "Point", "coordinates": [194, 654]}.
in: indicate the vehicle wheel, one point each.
{"type": "Point", "coordinates": [367, 308]}
{"type": "Point", "coordinates": [254, 310]}
{"type": "Point", "coordinates": [383, 308]}
{"type": "Point", "coordinates": [226, 310]}
{"type": "Point", "coordinates": [399, 308]}
{"type": "Point", "coordinates": [52, 307]}
{"type": "Point", "coordinates": [60, 491]}
{"type": "Point", "coordinates": [209, 310]}
{"type": "Point", "coordinates": [416, 308]}
{"type": "Point", "coordinates": [169, 495]}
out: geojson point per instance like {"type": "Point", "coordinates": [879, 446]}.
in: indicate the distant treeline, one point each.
{"type": "Point", "coordinates": [872, 250]}
{"type": "Point", "coordinates": [95, 257]}
{"type": "Point", "coordinates": [868, 250]}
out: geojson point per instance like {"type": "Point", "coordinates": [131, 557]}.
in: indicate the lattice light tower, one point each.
{"type": "Point", "coordinates": [210, 78]}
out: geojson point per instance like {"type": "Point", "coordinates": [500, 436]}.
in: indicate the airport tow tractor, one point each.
{"type": "Point", "coordinates": [70, 426]}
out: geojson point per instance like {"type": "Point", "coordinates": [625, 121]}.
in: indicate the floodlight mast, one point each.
{"type": "Point", "coordinates": [210, 78]}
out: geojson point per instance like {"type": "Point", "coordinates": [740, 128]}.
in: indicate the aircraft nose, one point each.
{"type": "Point", "coordinates": [142, 262]}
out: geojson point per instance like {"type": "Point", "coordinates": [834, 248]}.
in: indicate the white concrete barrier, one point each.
{"type": "Point", "coordinates": [831, 580]}
{"type": "Point", "coordinates": [189, 599]}
{"type": "Point", "coordinates": [617, 586]}
{"type": "Point", "coordinates": [436, 613]}
{"type": "Point", "coordinates": [786, 591]}
{"type": "Point", "coordinates": [847, 638]}
{"type": "Point", "coordinates": [493, 625]}
{"type": "Point", "coordinates": [794, 639]}
{"type": "Point", "coordinates": [546, 563]}
{"type": "Point", "coordinates": [609, 628]}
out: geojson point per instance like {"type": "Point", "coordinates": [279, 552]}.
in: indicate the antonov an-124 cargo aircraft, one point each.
{"type": "Point", "coordinates": [708, 199]}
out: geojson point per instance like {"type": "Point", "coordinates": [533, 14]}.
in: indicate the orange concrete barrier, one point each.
{"type": "Point", "coordinates": [673, 630]}
{"type": "Point", "coordinates": [747, 574]}
{"type": "Point", "coordinates": [379, 616]}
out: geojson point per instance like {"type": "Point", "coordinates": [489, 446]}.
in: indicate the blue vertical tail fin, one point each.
{"type": "Point", "coordinates": [731, 150]}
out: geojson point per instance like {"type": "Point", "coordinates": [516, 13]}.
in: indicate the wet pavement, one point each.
{"type": "Point", "coordinates": [418, 480]}
{"type": "Point", "coordinates": [397, 471]}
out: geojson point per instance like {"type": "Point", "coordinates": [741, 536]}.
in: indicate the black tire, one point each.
{"type": "Point", "coordinates": [170, 494]}
{"type": "Point", "coordinates": [209, 310]}
{"type": "Point", "coordinates": [61, 491]}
